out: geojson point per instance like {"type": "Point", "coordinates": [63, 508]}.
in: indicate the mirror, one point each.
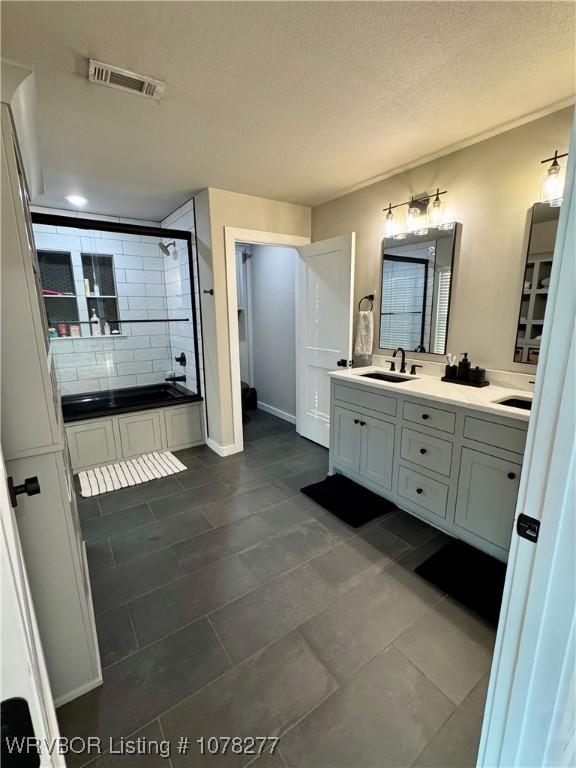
{"type": "Point", "coordinates": [415, 290]}
{"type": "Point", "coordinates": [536, 282]}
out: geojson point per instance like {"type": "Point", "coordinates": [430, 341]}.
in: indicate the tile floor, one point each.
{"type": "Point", "coordinates": [228, 604]}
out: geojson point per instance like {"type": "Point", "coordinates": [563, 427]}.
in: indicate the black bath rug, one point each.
{"type": "Point", "coordinates": [347, 500]}
{"type": "Point", "coordinates": [472, 577]}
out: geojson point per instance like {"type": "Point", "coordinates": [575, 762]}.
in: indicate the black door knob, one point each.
{"type": "Point", "coordinates": [30, 486]}
{"type": "Point", "coordinates": [362, 423]}
{"type": "Point", "coordinates": [425, 416]}
{"type": "Point", "coordinates": [356, 421]}
{"type": "Point", "coordinates": [423, 450]}
{"type": "Point", "coordinates": [418, 490]}
{"type": "Point", "coordinates": [511, 475]}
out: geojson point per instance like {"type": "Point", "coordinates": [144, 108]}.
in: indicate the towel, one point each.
{"type": "Point", "coordinates": [364, 333]}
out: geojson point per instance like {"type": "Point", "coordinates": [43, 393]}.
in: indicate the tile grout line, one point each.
{"type": "Point", "coordinates": [221, 642]}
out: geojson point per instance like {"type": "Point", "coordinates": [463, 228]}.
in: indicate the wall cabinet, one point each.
{"type": "Point", "coordinates": [455, 468]}
{"type": "Point", "coordinates": [487, 491]}
{"type": "Point", "coordinates": [105, 440]}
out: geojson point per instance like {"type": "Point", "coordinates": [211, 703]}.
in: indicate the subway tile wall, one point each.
{"type": "Point", "coordinates": [150, 286]}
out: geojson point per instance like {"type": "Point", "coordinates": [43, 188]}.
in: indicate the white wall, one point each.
{"type": "Point", "coordinates": [491, 187]}
{"type": "Point", "coordinates": [272, 274]}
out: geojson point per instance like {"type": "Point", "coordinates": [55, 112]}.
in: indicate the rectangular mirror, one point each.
{"type": "Point", "coordinates": [415, 290]}
{"type": "Point", "coordinates": [536, 282]}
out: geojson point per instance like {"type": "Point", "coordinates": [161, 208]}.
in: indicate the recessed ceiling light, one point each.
{"type": "Point", "coordinates": [76, 200]}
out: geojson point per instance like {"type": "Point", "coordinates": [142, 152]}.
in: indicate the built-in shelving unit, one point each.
{"type": "Point", "coordinates": [533, 307]}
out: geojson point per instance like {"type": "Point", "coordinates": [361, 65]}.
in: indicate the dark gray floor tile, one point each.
{"type": "Point", "coordinates": [456, 744]}
{"type": "Point", "coordinates": [117, 585]}
{"type": "Point", "coordinates": [194, 477]}
{"type": "Point", "coordinates": [152, 733]}
{"type": "Point", "coordinates": [269, 760]}
{"type": "Point", "coordinates": [116, 638]}
{"type": "Point", "coordinates": [409, 528]}
{"type": "Point", "coordinates": [87, 508]}
{"type": "Point", "coordinates": [368, 552]}
{"type": "Point", "coordinates": [451, 646]}
{"type": "Point", "coordinates": [289, 549]}
{"type": "Point", "coordinates": [303, 463]}
{"type": "Point", "coordinates": [242, 504]}
{"type": "Point", "coordinates": [288, 514]}
{"type": "Point", "coordinates": [190, 499]}
{"type": "Point", "coordinates": [129, 497]}
{"type": "Point", "coordinates": [383, 717]}
{"type": "Point", "coordinates": [184, 600]}
{"type": "Point", "coordinates": [106, 526]}
{"type": "Point", "coordinates": [264, 696]}
{"type": "Point", "coordinates": [363, 621]}
{"type": "Point", "coordinates": [158, 535]}
{"type": "Point", "coordinates": [221, 542]}
{"type": "Point", "coordinates": [139, 688]}
{"type": "Point", "coordinates": [251, 622]}
{"type": "Point", "coordinates": [99, 556]}
{"type": "Point", "coordinates": [420, 554]}
{"type": "Point", "coordinates": [302, 479]}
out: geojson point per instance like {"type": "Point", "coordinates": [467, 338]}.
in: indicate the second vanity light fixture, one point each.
{"type": "Point", "coordinates": [423, 212]}
{"type": "Point", "coordinates": [552, 185]}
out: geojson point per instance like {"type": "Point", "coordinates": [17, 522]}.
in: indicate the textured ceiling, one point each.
{"type": "Point", "coordinates": [296, 101]}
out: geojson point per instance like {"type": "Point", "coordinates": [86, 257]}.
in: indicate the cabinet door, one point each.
{"type": "Point", "coordinates": [346, 442]}
{"type": "Point", "coordinates": [377, 451]}
{"type": "Point", "coordinates": [140, 433]}
{"type": "Point", "coordinates": [183, 426]}
{"type": "Point", "coordinates": [91, 443]}
{"type": "Point", "coordinates": [487, 491]}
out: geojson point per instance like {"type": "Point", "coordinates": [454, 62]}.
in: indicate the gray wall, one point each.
{"type": "Point", "coordinates": [272, 282]}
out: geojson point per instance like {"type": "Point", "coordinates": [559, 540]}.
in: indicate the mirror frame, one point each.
{"type": "Point", "coordinates": [409, 239]}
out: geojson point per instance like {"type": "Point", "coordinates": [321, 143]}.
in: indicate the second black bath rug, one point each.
{"type": "Point", "coordinates": [472, 577]}
{"type": "Point", "coordinates": [347, 500]}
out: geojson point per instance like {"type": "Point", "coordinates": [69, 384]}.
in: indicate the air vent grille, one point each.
{"type": "Point", "coordinates": [122, 79]}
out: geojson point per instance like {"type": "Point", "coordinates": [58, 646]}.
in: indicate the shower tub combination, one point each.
{"type": "Point", "coordinates": [131, 278]}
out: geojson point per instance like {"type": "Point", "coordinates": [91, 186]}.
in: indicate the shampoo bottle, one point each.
{"type": "Point", "coordinates": [95, 324]}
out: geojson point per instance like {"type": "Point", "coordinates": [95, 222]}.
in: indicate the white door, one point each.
{"type": "Point", "coordinates": [23, 673]}
{"type": "Point", "coordinates": [324, 291]}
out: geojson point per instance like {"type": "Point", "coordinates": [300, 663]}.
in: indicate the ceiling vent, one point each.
{"type": "Point", "coordinates": [114, 77]}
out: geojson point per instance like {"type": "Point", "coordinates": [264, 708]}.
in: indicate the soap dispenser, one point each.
{"type": "Point", "coordinates": [464, 367]}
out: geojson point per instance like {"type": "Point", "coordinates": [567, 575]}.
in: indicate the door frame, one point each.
{"type": "Point", "coordinates": [232, 235]}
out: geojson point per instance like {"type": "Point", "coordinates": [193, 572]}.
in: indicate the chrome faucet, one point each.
{"type": "Point", "coordinates": [403, 363]}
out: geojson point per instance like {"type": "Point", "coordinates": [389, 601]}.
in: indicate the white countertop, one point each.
{"type": "Point", "coordinates": [432, 388]}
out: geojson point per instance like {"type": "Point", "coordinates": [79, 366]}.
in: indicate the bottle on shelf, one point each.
{"type": "Point", "coordinates": [95, 324]}
{"type": "Point", "coordinates": [106, 328]}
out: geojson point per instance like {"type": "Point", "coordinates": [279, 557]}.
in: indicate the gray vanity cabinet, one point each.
{"type": "Point", "coordinates": [486, 499]}
{"type": "Point", "coordinates": [454, 467]}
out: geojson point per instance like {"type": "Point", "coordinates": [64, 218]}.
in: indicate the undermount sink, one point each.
{"type": "Point", "coordinates": [385, 377]}
{"type": "Point", "coordinates": [516, 402]}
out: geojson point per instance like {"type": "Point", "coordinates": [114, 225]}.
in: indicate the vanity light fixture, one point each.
{"type": "Point", "coordinates": [552, 184]}
{"type": "Point", "coordinates": [418, 217]}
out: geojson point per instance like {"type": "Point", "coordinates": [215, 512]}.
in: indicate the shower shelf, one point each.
{"type": "Point", "coordinates": [118, 320]}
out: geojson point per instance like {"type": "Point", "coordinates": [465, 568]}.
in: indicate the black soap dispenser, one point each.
{"type": "Point", "coordinates": [464, 367]}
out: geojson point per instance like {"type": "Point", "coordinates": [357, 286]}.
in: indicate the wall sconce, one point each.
{"type": "Point", "coordinates": [418, 217]}
{"type": "Point", "coordinates": [552, 184]}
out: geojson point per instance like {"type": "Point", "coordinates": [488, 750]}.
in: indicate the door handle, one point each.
{"type": "Point", "coordinates": [342, 363]}
{"type": "Point", "coordinates": [30, 486]}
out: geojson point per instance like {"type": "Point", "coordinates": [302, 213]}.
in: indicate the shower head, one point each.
{"type": "Point", "coordinates": [165, 248]}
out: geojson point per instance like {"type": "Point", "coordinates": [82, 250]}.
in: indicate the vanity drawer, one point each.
{"type": "Point", "coordinates": [423, 491]}
{"type": "Point", "coordinates": [431, 417]}
{"type": "Point", "coordinates": [498, 435]}
{"type": "Point", "coordinates": [358, 396]}
{"type": "Point", "coordinates": [430, 452]}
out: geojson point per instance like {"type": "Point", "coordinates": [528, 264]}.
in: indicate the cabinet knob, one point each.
{"type": "Point", "coordinates": [423, 451]}
{"type": "Point", "coordinates": [425, 416]}
{"type": "Point", "coordinates": [362, 423]}
{"type": "Point", "coordinates": [419, 490]}
{"type": "Point", "coordinates": [356, 421]}
{"type": "Point", "coordinates": [511, 475]}
{"type": "Point", "coordinates": [30, 486]}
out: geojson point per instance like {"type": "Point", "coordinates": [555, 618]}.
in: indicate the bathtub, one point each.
{"type": "Point", "coordinates": [91, 405]}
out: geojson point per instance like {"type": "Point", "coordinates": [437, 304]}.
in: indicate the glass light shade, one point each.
{"type": "Point", "coordinates": [389, 223]}
{"type": "Point", "coordinates": [552, 185]}
{"type": "Point", "coordinates": [436, 215]}
{"type": "Point", "coordinates": [413, 218]}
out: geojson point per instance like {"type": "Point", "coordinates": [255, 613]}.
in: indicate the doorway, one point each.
{"type": "Point", "coordinates": [266, 296]}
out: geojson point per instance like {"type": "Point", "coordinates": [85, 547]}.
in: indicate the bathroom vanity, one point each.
{"type": "Point", "coordinates": [446, 453]}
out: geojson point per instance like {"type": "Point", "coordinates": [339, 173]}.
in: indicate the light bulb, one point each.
{"type": "Point", "coordinates": [552, 186]}
{"type": "Point", "coordinates": [389, 223]}
{"type": "Point", "coordinates": [413, 217]}
{"type": "Point", "coordinates": [436, 215]}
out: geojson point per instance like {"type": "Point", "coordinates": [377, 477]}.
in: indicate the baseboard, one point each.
{"type": "Point", "coordinates": [222, 450]}
{"type": "Point", "coordinates": [80, 691]}
{"type": "Point", "coordinates": [277, 412]}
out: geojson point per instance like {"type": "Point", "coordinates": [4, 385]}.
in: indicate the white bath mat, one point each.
{"type": "Point", "coordinates": [122, 474]}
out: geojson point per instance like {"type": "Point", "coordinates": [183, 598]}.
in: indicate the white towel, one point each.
{"type": "Point", "coordinates": [364, 333]}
